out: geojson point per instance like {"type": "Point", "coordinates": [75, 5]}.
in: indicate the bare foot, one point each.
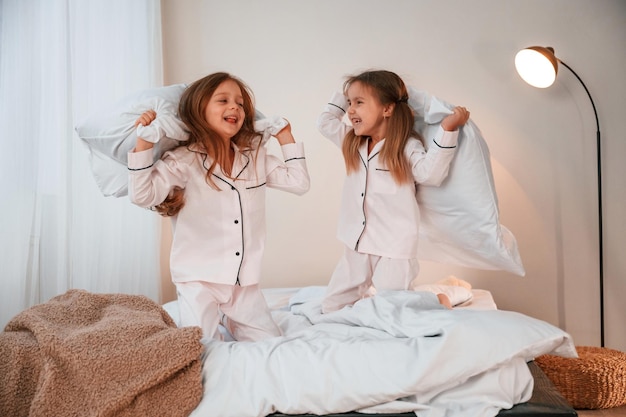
{"type": "Point", "coordinates": [444, 300]}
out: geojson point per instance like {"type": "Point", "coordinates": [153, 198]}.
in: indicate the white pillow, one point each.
{"type": "Point", "coordinates": [110, 134]}
{"type": "Point", "coordinates": [460, 219]}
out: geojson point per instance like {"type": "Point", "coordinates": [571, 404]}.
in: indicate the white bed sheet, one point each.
{"type": "Point", "coordinates": [397, 352]}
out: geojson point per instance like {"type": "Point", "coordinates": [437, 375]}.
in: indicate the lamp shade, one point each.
{"type": "Point", "coordinates": [537, 66]}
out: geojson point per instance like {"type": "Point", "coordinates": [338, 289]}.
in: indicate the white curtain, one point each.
{"type": "Point", "coordinates": [61, 60]}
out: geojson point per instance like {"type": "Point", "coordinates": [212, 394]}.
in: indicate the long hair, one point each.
{"type": "Point", "coordinates": [191, 110]}
{"type": "Point", "coordinates": [389, 89]}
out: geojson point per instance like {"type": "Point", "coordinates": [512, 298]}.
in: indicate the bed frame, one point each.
{"type": "Point", "coordinates": [546, 401]}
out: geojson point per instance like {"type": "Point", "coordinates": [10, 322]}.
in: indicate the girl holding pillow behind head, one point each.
{"type": "Point", "coordinates": [385, 160]}
{"type": "Point", "coordinates": [213, 188]}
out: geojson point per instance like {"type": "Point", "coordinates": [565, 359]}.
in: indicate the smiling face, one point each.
{"type": "Point", "coordinates": [225, 110]}
{"type": "Point", "coordinates": [366, 112]}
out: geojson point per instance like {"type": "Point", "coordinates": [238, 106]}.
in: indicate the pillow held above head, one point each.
{"type": "Point", "coordinates": [460, 219]}
{"type": "Point", "coordinates": [110, 133]}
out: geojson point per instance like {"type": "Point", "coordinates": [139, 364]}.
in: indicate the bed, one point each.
{"type": "Point", "coordinates": [399, 353]}
{"type": "Point", "coordinates": [396, 354]}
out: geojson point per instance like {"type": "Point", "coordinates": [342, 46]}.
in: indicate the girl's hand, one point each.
{"type": "Point", "coordinates": [146, 118]}
{"type": "Point", "coordinates": [284, 136]}
{"type": "Point", "coordinates": [455, 120]}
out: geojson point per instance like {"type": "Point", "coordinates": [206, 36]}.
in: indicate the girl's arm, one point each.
{"type": "Point", "coordinates": [150, 182]}
{"type": "Point", "coordinates": [145, 119]}
{"type": "Point", "coordinates": [330, 123]}
{"type": "Point", "coordinates": [291, 175]}
{"type": "Point", "coordinates": [458, 118]}
{"type": "Point", "coordinates": [432, 167]}
{"type": "Point", "coordinates": [284, 136]}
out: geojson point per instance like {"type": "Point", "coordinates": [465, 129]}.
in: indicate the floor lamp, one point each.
{"type": "Point", "coordinates": [538, 66]}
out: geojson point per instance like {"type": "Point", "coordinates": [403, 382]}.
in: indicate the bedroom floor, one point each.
{"type": "Point", "coordinates": [609, 412]}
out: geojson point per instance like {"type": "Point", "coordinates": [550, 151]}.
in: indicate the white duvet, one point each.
{"type": "Point", "coordinates": [399, 351]}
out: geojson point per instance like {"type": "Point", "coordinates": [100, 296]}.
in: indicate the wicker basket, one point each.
{"type": "Point", "coordinates": [596, 379]}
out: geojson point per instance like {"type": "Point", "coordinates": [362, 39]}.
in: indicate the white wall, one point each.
{"type": "Point", "coordinates": [294, 54]}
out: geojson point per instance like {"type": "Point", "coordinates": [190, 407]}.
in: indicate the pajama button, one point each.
{"type": "Point", "coordinates": [236, 221]}
{"type": "Point", "coordinates": [237, 253]}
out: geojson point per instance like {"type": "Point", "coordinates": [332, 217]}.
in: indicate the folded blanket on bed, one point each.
{"type": "Point", "coordinates": [99, 355]}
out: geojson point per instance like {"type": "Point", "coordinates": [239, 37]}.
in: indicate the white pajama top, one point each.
{"type": "Point", "coordinates": [379, 216]}
{"type": "Point", "coordinates": [219, 235]}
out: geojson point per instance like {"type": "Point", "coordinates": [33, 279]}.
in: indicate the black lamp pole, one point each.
{"type": "Point", "coordinates": [600, 240]}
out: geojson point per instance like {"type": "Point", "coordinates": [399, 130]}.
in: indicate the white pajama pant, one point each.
{"type": "Point", "coordinates": [358, 275]}
{"type": "Point", "coordinates": [247, 316]}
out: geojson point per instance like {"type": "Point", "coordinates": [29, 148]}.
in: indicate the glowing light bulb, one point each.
{"type": "Point", "coordinates": [535, 67]}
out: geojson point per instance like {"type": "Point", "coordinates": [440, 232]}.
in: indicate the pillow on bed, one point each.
{"type": "Point", "coordinates": [110, 134]}
{"type": "Point", "coordinates": [460, 219]}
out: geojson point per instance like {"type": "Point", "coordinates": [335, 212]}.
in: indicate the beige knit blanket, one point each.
{"type": "Point", "coordinates": [85, 354]}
